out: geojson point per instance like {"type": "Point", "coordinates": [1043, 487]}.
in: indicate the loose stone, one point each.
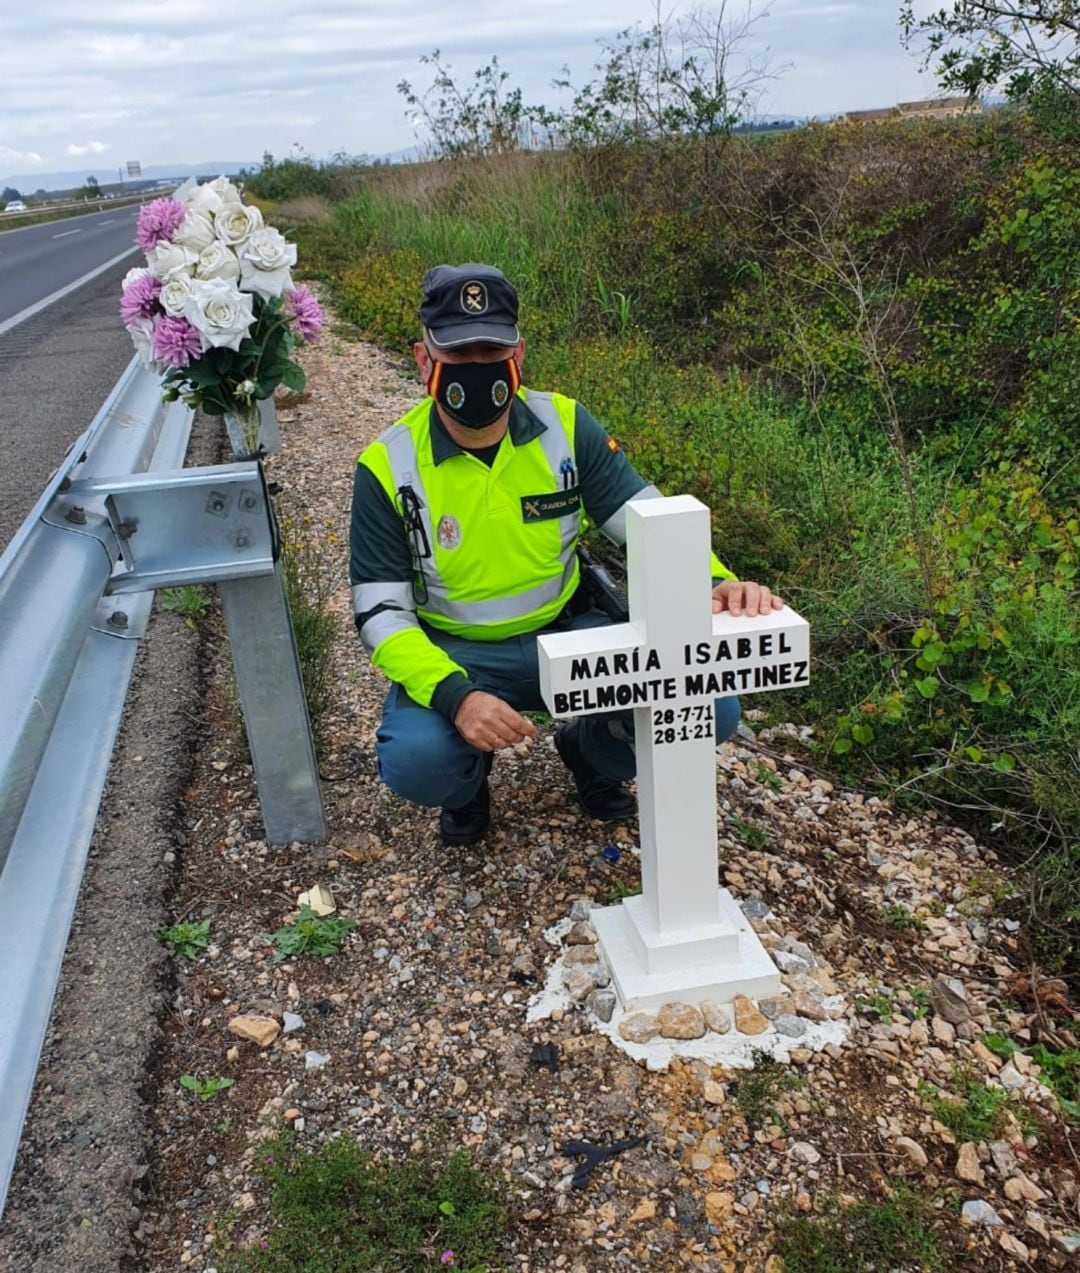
{"type": "Point", "coordinates": [773, 1007]}
{"type": "Point", "coordinates": [580, 955]}
{"type": "Point", "coordinates": [716, 1018]}
{"type": "Point", "coordinates": [943, 1031]}
{"type": "Point", "coordinates": [290, 1022]}
{"type": "Point", "coordinates": [915, 1158]}
{"type": "Point", "coordinates": [680, 1021]}
{"type": "Point", "coordinates": [747, 1018]}
{"type": "Point", "coordinates": [979, 1213]}
{"type": "Point", "coordinates": [1021, 1189]}
{"type": "Point", "coordinates": [803, 1152]}
{"type": "Point", "coordinates": [580, 982]}
{"type": "Point", "coordinates": [807, 1006]}
{"type": "Point", "coordinates": [639, 1027]}
{"type": "Point", "coordinates": [967, 1164]}
{"type": "Point", "coordinates": [602, 1003]}
{"type": "Point", "coordinates": [260, 1030]}
{"type": "Point", "coordinates": [789, 1024]}
{"type": "Point", "coordinates": [787, 962]}
{"type": "Point", "coordinates": [950, 1000]}
{"type": "Point", "coordinates": [581, 934]}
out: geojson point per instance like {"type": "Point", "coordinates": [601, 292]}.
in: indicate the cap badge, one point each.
{"type": "Point", "coordinates": [474, 297]}
{"type": "Point", "coordinates": [449, 531]}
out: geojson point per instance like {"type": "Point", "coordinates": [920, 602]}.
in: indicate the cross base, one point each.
{"type": "Point", "coordinates": [649, 969]}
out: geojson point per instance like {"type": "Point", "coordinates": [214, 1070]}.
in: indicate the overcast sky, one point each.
{"type": "Point", "coordinates": [97, 82]}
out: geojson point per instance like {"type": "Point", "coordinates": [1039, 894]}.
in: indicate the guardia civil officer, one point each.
{"type": "Point", "coordinates": [466, 515]}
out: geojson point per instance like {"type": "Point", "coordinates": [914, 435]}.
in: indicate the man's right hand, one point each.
{"type": "Point", "coordinates": [487, 723]}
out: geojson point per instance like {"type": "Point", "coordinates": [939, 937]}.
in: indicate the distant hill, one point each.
{"type": "Point", "coordinates": [28, 183]}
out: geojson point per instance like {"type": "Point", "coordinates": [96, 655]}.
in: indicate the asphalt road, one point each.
{"type": "Point", "coordinates": [57, 366]}
{"type": "Point", "coordinates": [39, 260]}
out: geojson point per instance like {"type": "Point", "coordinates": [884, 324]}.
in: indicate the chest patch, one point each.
{"type": "Point", "coordinates": [541, 508]}
{"type": "Point", "coordinates": [449, 531]}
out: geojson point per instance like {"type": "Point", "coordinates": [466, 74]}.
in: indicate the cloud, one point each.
{"type": "Point", "coordinates": [158, 80]}
{"type": "Point", "coordinates": [20, 158]}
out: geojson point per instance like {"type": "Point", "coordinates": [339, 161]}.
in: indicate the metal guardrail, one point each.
{"type": "Point", "coordinates": [118, 519]}
{"type": "Point", "coordinates": [97, 204]}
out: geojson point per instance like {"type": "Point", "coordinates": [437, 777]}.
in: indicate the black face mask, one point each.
{"type": "Point", "coordinates": [474, 394]}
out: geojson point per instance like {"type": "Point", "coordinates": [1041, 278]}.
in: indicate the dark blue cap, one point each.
{"type": "Point", "coordinates": [467, 304]}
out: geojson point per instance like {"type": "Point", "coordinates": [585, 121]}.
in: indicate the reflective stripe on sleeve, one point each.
{"type": "Point", "coordinates": [366, 596]}
{"type": "Point", "coordinates": [615, 526]}
{"type": "Point", "coordinates": [385, 624]}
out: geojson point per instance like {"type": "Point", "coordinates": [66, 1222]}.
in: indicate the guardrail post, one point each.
{"type": "Point", "coordinates": [275, 710]}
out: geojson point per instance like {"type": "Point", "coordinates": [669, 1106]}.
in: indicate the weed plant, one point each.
{"type": "Point", "coordinates": [893, 1233]}
{"type": "Point", "coordinates": [969, 1108]}
{"type": "Point", "coordinates": [340, 1209]}
{"type": "Point", "coordinates": [756, 1092]}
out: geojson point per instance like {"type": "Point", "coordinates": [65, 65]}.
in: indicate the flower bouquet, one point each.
{"type": "Point", "coordinates": [214, 311]}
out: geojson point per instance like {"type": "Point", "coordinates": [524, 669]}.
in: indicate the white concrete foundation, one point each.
{"type": "Point", "coordinates": [649, 969]}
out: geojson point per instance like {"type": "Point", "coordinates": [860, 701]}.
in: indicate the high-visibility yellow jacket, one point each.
{"type": "Point", "coordinates": [440, 539]}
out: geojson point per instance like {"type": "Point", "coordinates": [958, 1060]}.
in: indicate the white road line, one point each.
{"type": "Point", "coordinates": [66, 233]}
{"type": "Point", "coordinates": [111, 221]}
{"type": "Point", "coordinates": [38, 306]}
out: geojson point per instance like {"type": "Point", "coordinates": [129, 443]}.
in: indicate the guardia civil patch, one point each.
{"type": "Point", "coordinates": [542, 508]}
{"type": "Point", "coordinates": [448, 531]}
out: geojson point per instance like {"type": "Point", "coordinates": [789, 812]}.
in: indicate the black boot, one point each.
{"type": "Point", "coordinates": [601, 798]}
{"type": "Point", "coordinates": [470, 822]}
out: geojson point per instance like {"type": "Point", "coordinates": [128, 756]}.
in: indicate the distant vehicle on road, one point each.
{"type": "Point", "coordinates": [16, 205]}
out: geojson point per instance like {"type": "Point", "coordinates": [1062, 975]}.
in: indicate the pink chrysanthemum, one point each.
{"type": "Point", "coordinates": [176, 342]}
{"type": "Point", "coordinates": [158, 222]}
{"type": "Point", "coordinates": [447, 1257]}
{"type": "Point", "coordinates": [304, 311]}
{"type": "Point", "coordinates": [139, 299]}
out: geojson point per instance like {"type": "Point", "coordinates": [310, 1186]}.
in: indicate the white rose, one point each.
{"type": "Point", "coordinates": [217, 261]}
{"type": "Point", "coordinates": [204, 200]}
{"type": "Point", "coordinates": [195, 232]}
{"type": "Point", "coordinates": [225, 190]}
{"type": "Point", "coordinates": [141, 333]}
{"type": "Point", "coordinates": [170, 258]}
{"type": "Point", "coordinates": [136, 272]}
{"type": "Point", "coordinates": [264, 262]}
{"type": "Point", "coordinates": [236, 223]}
{"type": "Point", "coordinates": [220, 312]}
{"type": "Point", "coordinates": [174, 294]}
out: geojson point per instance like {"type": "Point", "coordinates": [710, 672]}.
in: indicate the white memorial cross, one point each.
{"type": "Point", "coordinates": [683, 938]}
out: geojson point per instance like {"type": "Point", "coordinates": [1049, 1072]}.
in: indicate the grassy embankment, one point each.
{"type": "Point", "coordinates": [861, 347]}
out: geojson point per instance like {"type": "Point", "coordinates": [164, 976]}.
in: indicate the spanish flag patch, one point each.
{"type": "Point", "coordinates": [612, 444]}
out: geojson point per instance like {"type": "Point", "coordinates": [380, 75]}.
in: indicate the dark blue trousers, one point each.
{"type": "Point", "coordinates": [423, 758]}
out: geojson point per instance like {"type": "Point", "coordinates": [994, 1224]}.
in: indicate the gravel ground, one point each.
{"type": "Point", "coordinates": [422, 1017]}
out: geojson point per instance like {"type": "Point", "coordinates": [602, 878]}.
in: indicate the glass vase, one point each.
{"type": "Point", "coordinates": [253, 430]}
